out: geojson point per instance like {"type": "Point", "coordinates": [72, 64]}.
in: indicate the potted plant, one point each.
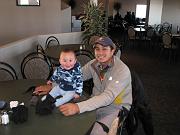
{"type": "Point", "coordinates": [93, 22]}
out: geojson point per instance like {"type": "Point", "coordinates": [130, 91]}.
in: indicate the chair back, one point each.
{"type": "Point", "coordinates": [36, 66]}
{"type": "Point", "coordinates": [150, 32]}
{"type": "Point", "coordinates": [92, 40]}
{"type": "Point", "coordinates": [40, 49]}
{"type": "Point", "coordinates": [167, 27]}
{"type": "Point", "coordinates": [159, 29]}
{"type": "Point", "coordinates": [84, 56]}
{"type": "Point", "coordinates": [52, 41]}
{"type": "Point", "coordinates": [7, 72]}
{"type": "Point", "coordinates": [131, 33]}
{"type": "Point", "coordinates": [119, 46]}
{"type": "Point", "coordinates": [125, 25]}
{"type": "Point", "coordinates": [167, 40]}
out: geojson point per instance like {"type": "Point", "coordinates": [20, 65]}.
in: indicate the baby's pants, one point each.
{"type": "Point", "coordinates": [66, 95]}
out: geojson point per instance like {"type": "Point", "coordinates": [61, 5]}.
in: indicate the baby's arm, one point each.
{"type": "Point", "coordinates": [79, 81]}
{"type": "Point", "coordinates": [76, 96]}
{"type": "Point", "coordinates": [54, 77]}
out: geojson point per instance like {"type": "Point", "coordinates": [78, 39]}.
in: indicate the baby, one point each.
{"type": "Point", "coordinates": [68, 79]}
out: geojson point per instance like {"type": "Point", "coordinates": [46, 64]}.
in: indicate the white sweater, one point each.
{"type": "Point", "coordinates": [113, 92]}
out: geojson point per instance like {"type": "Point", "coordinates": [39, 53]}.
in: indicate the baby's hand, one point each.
{"type": "Point", "coordinates": [49, 82]}
{"type": "Point", "coordinates": [43, 89]}
{"type": "Point", "coordinates": [76, 96]}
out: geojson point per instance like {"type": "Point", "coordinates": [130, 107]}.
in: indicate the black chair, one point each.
{"type": "Point", "coordinates": [51, 41]}
{"type": "Point", "coordinates": [150, 33]}
{"type": "Point", "coordinates": [119, 46]}
{"type": "Point", "coordinates": [167, 27]}
{"type": "Point", "coordinates": [7, 72]}
{"type": "Point", "coordinates": [140, 112]}
{"type": "Point", "coordinates": [36, 66]}
{"type": "Point", "coordinates": [40, 49]}
{"type": "Point", "coordinates": [159, 29]}
{"type": "Point", "coordinates": [84, 56]}
{"type": "Point", "coordinates": [169, 46]}
{"type": "Point", "coordinates": [92, 40]}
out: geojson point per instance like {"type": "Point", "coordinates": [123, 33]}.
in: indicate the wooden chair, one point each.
{"type": "Point", "coordinates": [131, 35]}
{"type": "Point", "coordinates": [84, 56]}
{"type": "Point", "coordinates": [36, 66]}
{"type": "Point", "coordinates": [149, 35]}
{"type": "Point", "coordinates": [169, 46]}
{"type": "Point", "coordinates": [167, 27]}
{"type": "Point", "coordinates": [7, 72]}
{"type": "Point", "coordinates": [40, 49]}
{"type": "Point", "coordinates": [51, 41]}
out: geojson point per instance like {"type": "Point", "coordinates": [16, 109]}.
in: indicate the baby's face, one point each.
{"type": "Point", "coordinates": [67, 60]}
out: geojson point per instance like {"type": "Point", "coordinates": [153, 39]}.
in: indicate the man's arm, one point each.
{"type": "Point", "coordinates": [119, 83]}
{"type": "Point", "coordinates": [54, 77]}
{"type": "Point", "coordinates": [105, 98]}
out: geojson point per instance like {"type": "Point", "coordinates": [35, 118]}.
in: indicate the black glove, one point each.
{"type": "Point", "coordinates": [46, 106]}
{"type": "Point", "coordinates": [20, 114]}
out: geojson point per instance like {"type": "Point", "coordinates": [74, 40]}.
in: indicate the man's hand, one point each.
{"type": "Point", "coordinates": [69, 109]}
{"type": "Point", "coordinates": [42, 90]}
{"type": "Point", "coordinates": [76, 96]}
{"type": "Point", "coordinates": [49, 82]}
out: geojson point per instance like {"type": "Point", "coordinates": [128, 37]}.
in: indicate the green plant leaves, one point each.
{"type": "Point", "coordinates": [93, 21]}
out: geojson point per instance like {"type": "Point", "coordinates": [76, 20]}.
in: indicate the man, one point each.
{"type": "Point", "coordinates": [112, 86]}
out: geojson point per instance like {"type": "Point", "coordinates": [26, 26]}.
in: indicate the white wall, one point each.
{"type": "Point", "coordinates": [171, 13]}
{"type": "Point", "coordinates": [66, 20]}
{"type": "Point", "coordinates": [13, 53]}
{"type": "Point", "coordinates": [18, 22]}
{"type": "Point", "coordinates": [130, 5]}
{"type": "Point", "coordinates": [64, 38]}
{"type": "Point", "coordinates": [155, 12]}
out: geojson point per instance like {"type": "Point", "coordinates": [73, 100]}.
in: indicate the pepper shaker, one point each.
{"type": "Point", "coordinates": [5, 118]}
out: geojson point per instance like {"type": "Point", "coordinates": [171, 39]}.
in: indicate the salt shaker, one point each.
{"type": "Point", "coordinates": [5, 118]}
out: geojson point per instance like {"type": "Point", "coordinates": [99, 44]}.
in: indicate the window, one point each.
{"type": "Point", "coordinates": [141, 11]}
{"type": "Point", "coordinates": [24, 2]}
{"type": "Point", "coordinates": [28, 2]}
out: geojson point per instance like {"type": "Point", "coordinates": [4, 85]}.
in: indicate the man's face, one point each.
{"type": "Point", "coordinates": [103, 54]}
{"type": "Point", "coordinates": [67, 60]}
